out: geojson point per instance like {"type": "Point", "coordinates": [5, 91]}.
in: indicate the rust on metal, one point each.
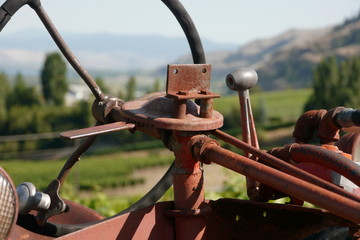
{"type": "Point", "coordinates": [97, 130]}
{"type": "Point", "coordinates": [188, 212]}
{"type": "Point", "coordinates": [241, 219]}
{"type": "Point", "coordinates": [335, 203]}
{"type": "Point", "coordinates": [186, 82]}
{"type": "Point", "coordinates": [284, 166]}
{"type": "Point", "coordinates": [189, 81]}
{"type": "Point", "coordinates": [328, 130]}
{"type": "Point", "coordinates": [158, 111]}
{"type": "Point", "coordinates": [148, 223]}
{"type": "Point", "coordinates": [307, 124]}
{"type": "Point", "coordinates": [327, 158]}
{"type": "Point", "coordinates": [188, 184]}
{"type": "Point", "coordinates": [249, 136]}
{"type": "Point", "coordinates": [350, 143]}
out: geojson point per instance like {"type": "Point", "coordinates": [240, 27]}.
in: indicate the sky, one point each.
{"type": "Point", "coordinates": [224, 21]}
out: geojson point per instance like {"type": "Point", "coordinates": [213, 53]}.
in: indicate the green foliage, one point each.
{"type": "Point", "coordinates": [335, 84]}
{"type": "Point", "coordinates": [53, 79]}
{"type": "Point", "coordinates": [23, 95]}
{"type": "Point", "coordinates": [101, 83]}
{"type": "Point", "coordinates": [156, 86]}
{"type": "Point", "coordinates": [234, 187]}
{"type": "Point", "coordinates": [130, 88]}
{"type": "Point", "coordinates": [4, 93]}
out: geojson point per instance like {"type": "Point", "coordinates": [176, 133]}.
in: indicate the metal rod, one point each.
{"type": "Point", "coordinates": [245, 121]}
{"type": "Point", "coordinates": [284, 166]}
{"type": "Point", "coordinates": [286, 183]}
{"type": "Point", "coordinates": [188, 188]}
{"type": "Point", "coordinates": [64, 48]}
{"type": "Point", "coordinates": [75, 157]}
{"type": "Point", "coordinates": [327, 158]}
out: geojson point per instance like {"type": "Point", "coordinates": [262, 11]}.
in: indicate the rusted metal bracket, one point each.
{"type": "Point", "coordinates": [174, 109]}
{"type": "Point", "coordinates": [186, 82]}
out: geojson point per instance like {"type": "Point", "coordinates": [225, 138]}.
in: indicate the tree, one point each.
{"type": "Point", "coordinates": [325, 83]}
{"type": "Point", "coordinates": [23, 95]}
{"type": "Point", "coordinates": [130, 88]}
{"type": "Point", "coordinates": [156, 86]}
{"type": "Point", "coordinates": [335, 84]}
{"type": "Point", "coordinates": [101, 83]}
{"type": "Point", "coordinates": [4, 93]}
{"type": "Point", "coordinates": [53, 79]}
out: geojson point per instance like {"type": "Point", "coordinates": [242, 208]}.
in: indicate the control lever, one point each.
{"type": "Point", "coordinates": [241, 81]}
{"type": "Point", "coordinates": [30, 199]}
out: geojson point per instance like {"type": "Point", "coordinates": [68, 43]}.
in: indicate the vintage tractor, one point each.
{"type": "Point", "coordinates": [183, 118]}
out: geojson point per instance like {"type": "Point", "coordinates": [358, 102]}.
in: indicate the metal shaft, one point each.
{"type": "Point", "coordinates": [284, 166]}
{"type": "Point", "coordinates": [293, 186]}
{"type": "Point", "coordinates": [188, 188]}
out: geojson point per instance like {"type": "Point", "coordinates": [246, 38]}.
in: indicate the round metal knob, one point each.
{"type": "Point", "coordinates": [242, 79]}
{"type": "Point", "coordinates": [31, 199]}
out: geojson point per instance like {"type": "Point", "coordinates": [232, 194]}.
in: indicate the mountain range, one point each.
{"type": "Point", "coordinates": [26, 50]}
{"type": "Point", "coordinates": [287, 60]}
{"type": "Point", "coordinates": [283, 61]}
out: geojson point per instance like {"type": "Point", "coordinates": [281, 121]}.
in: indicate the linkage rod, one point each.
{"type": "Point", "coordinates": [284, 166]}
{"type": "Point", "coordinates": [335, 203]}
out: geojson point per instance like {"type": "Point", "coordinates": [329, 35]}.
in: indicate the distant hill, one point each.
{"type": "Point", "coordinates": [24, 51]}
{"type": "Point", "coordinates": [284, 61]}
{"type": "Point", "coordinates": [287, 60]}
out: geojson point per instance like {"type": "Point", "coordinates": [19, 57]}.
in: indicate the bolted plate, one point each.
{"type": "Point", "coordinates": [158, 111]}
{"type": "Point", "coordinates": [189, 81]}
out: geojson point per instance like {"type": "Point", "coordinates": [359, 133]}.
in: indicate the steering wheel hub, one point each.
{"type": "Point", "coordinates": [175, 110]}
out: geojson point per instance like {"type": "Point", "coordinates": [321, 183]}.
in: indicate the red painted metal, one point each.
{"type": "Point", "coordinates": [284, 166]}
{"type": "Point", "coordinates": [189, 81]}
{"type": "Point", "coordinates": [350, 143]}
{"type": "Point", "coordinates": [249, 136]}
{"type": "Point", "coordinates": [190, 216]}
{"type": "Point", "coordinates": [78, 214]}
{"type": "Point", "coordinates": [148, 223]}
{"type": "Point", "coordinates": [293, 186]}
{"type": "Point", "coordinates": [327, 158]}
{"type": "Point", "coordinates": [225, 219]}
{"type": "Point", "coordinates": [307, 124]}
{"type": "Point", "coordinates": [158, 111]}
{"type": "Point", "coordinates": [328, 130]}
{"type": "Point", "coordinates": [188, 187]}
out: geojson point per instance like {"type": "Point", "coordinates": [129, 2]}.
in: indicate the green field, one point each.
{"type": "Point", "coordinates": [92, 172]}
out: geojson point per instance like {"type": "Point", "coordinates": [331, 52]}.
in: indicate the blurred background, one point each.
{"type": "Point", "coordinates": [302, 51]}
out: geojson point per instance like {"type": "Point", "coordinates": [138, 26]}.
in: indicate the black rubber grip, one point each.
{"type": "Point", "coordinates": [189, 29]}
